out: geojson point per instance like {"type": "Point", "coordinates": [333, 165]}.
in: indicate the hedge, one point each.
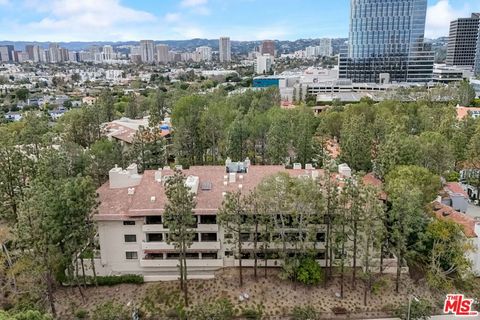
{"type": "Point", "coordinates": [113, 280]}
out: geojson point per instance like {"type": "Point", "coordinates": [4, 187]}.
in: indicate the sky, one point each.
{"type": "Point", "coordinates": [124, 20]}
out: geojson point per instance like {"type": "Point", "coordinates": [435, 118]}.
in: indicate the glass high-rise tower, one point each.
{"type": "Point", "coordinates": [386, 42]}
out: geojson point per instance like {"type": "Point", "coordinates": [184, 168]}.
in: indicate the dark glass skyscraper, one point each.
{"type": "Point", "coordinates": [386, 42]}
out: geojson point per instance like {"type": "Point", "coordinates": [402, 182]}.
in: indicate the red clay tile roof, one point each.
{"type": "Point", "coordinates": [370, 179]}
{"type": "Point", "coordinates": [462, 112]}
{"type": "Point", "coordinates": [116, 204]}
{"type": "Point", "coordinates": [455, 187]}
{"type": "Point", "coordinates": [445, 212]}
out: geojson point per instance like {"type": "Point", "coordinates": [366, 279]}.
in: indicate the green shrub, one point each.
{"type": "Point", "coordinates": [81, 314]}
{"type": "Point", "coordinates": [254, 313]}
{"type": "Point", "coordinates": [304, 313]}
{"type": "Point", "coordinates": [24, 315]}
{"type": "Point", "coordinates": [219, 310]}
{"type": "Point", "coordinates": [110, 311]}
{"type": "Point", "coordinates": [113, 280]}
{"type": "Point", "coordinates": [309, 271]}
{"type": "Point", "coordinates": [419, 310]}
{"type": "Point", "coordinates": [378, 285]}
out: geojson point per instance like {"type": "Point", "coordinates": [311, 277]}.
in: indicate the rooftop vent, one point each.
{"type": "Point", "coordinates": [131, 191]}
{"type": "Point", "coordinates": [297, 166]}
{"type": "Point", "coordinates": [206, 186]}
{"type": "Point", "coordinates": [193, 182]}
{"type": "Point", "coordinates": [345, 170]}
{"type": "Point", "coordinates": [152, 199]}
{"type": "Point", "coordinates": [308, 166]}
{"type": "Point", "coordinates": [158, 175]}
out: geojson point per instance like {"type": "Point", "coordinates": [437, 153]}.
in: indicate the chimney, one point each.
{"type": "Point", "coordinates": [158, 175]}
{"type": "Point", "coordinates": [297, 166]}
{"type": "Point", "coordinates": [193, 182]}
{"type": "Point", "coordinates": [345, 170]}
{"type": "Point", "coordinates": [119, 178]}
{"type": "Point", "coordinates": [228, 161]}
{"type": "Point", "coordinates": [308, 166]}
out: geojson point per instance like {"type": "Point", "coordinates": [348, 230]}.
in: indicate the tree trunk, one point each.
{"type": "Point", "coordinates": [180, 261]}
{"type": "Point", "coordinates": [84, 278]}
{"type": "Point", "coordinates": [265, 241]}
{"type": "Point", "coordinates": [92, 262]}
{"type": "Point", "coordinates": [342, 268]}
{"type": "Point", "coordinates": [327, 255]}
{"type": "Point", "coordinates": [381, 257]}
{"type": "Point", "coordinates": [240, 270]}
{"type": "Point", "coordinates": [77, 281]}
{"type": "Point", "coordinates": [185, 281]}
{"type": "Point", "coordinates": [399, 268]}
{"type": "Point", "coordinates": [354, 271]}
{"type": "Point", "coordinates": [51, 298]}
{"type": "Point", "coordinates": [255, 241]}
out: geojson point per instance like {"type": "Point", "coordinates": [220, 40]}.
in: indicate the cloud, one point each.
{"type": "Point", "coordinates": [172, 17]}
{"type": "Point", "coordinates": [439, 17]}
{"type": "Point", "coordinates": [4, 2]}
{"type": "Point", "coordinates": [193, 3]}
{"type": "Point", "coordinates": [84, 20]}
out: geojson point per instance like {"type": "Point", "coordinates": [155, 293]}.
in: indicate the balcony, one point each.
{"type": "Point", "coordinates": [169, 247]}
{"type": "Point", "coordinates": [207, 227]}
{"type": "Point", "coordinates": [153, 228]}
{"type": "Point", "coordinates": [160, 263]}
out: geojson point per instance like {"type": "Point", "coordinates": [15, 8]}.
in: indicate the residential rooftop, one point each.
{"type": "Point", "coordinates": [145, 195]}
{"type": "Point", "coordinates": [445, 212]}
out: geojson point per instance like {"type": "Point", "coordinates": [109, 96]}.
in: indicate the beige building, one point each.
{"type": "Point", "coordinates": [132, 236]}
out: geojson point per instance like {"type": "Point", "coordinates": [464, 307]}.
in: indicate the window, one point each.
{"type": "Point", "coordinates": [244, 236]}
{"type": "Point", "coordinates": [130, 238]}
{"type": "Point", "coordinates": [320, 255]}
{"type": "Point", "coordinates": [154, 237]}
{"type": "Point", "coordinates": [209, 255]}
{"type": "Point", "coordinates": [129, 223]}
{"type": "Point", "coordinates": [321, 237]}
{"type": "Point", "coordinates": [131, 255]}
{"type": "Point", "coordinates": [208, 219]}
{"type": "Point", "coordinates": [191, 255]}
{"type": "Point", "coordinates": [153, 220]}
{"type": "Point", "coordinates": [209, 237]}
{"type": "Point", "coordinates": [173, 255]}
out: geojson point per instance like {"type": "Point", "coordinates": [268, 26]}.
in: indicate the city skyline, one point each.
{"type": "Point", "coordinates": [127, 20]}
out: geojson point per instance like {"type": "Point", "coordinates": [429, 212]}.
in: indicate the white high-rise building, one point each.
{"type": "Point", "coordinates": [204, 53]}
{"type": "Point", "coordinates": [225, 49]}
{"type": "Point", "coordinates": [162, 53]}
{"type": "Point", "coordinates": [107, 53]}
{"type": "Point", "coordinates": [4, 57]}
{"type": "Point", "coordinates": [147, 49]}
{"type": "Point", "coordinates": [325, 47]}
{"type": "Point", "coordinates": [54, 51]}
{"type": "Point", "coordinates": [311, 52]}
{"type": "Point", "coordinates": [263, 64]}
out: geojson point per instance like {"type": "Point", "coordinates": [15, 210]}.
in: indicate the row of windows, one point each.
{"type": "Point", "coordinates": [203, 219]}
{"type": "Point", "coordinates": [159, 237]}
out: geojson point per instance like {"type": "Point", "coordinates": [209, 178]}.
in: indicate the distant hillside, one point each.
{"type": "Point", "coordinates": [189, 45]}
